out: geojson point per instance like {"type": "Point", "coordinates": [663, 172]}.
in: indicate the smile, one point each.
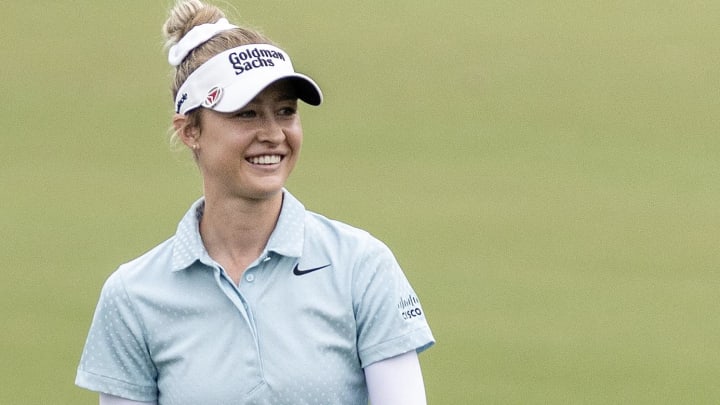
{"type": "Point", "coordinates": [265, 159]}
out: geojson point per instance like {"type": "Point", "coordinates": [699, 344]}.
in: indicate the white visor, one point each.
{"type": "Point", "coordinates": [231, 79]}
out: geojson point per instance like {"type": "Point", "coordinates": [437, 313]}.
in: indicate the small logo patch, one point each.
{"type": "Point", "coordinates": [212, 97]}
{"type": "Point", "coordinates": [409, 307]}
{"type": "Point", "coordinates": [180, 102]}
{"type": "Point", "coordinates": [298, 272]}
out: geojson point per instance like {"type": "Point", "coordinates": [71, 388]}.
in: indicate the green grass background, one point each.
{"type": "Point", "coordinates": [545, 171]}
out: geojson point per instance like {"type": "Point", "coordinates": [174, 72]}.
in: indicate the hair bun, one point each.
{"type": "Point", "coordinates": [184, 16]}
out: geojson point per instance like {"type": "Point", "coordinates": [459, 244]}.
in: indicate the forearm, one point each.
{"type": "Point", "coordinates": [396, 381]}
{"type": "Point", "coordinates": [106, 399]}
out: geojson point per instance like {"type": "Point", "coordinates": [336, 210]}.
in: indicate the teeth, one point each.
{"type": "Point", "coordinates": [265, 159]}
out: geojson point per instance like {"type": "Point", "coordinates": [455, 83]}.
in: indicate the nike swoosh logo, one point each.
{"type": "Point", "coordinates": [298, 272]}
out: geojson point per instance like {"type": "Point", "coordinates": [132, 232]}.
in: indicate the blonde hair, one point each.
{"type": "Point", "coordinates": [187, 14]}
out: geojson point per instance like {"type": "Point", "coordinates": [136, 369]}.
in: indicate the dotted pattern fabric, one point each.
{"type": "Point", "coordinates": [171, 326]}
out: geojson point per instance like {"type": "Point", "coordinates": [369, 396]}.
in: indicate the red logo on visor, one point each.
{"type": "Point", "coordinates": [212, 97]}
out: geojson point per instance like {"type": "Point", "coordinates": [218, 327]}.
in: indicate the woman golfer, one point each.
{"type": "Point", "coordinates": [254, 300]}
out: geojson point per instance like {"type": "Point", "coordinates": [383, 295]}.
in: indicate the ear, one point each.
{"type": "Point", "coordinates": [186, 132]}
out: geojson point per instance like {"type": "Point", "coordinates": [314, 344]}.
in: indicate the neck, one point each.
{"type": "Point", "coordinates": [236, 231]}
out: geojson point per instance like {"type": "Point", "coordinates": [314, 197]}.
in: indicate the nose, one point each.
{"type": "Point", "coordinates": [271, 130]}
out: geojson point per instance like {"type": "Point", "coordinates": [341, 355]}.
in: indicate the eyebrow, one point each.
{"type": "Point", "coordinates": [280, 97]}
{"type": "Point", "coordinates": [286, 96]}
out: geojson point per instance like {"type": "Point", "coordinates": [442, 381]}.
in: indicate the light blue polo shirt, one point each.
{"type": "Point", "coordinates": [323, 301]}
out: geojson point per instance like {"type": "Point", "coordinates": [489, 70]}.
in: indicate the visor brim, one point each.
{"type": "Point", "coordinates": [238, 95]}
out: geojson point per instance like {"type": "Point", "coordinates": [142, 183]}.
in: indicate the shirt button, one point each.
{"type": "Point", "coordinates": [250, 278]}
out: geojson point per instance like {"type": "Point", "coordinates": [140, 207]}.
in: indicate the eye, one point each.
{"type": "Point", "coordinates": [287, 111]}
{"type": "Point", "coordinates": [287, 107]}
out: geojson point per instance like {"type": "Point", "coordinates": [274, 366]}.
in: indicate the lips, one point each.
{"type": "Point", "coordinates": [265, 159]}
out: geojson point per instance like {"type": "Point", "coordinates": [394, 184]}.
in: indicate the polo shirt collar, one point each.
{"type": "Point", "coordinates": [286, 239]}
{"type": "Point", "coordinates": [187, 244]}
{"type": "Point", "coordinates": [289, 234]}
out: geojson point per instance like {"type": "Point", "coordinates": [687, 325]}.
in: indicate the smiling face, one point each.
{"type": "Point", "coordinates": [251, 152]}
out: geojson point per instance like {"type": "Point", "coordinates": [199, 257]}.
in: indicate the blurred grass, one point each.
{"type": "Point", "coordinates": [545, 171]}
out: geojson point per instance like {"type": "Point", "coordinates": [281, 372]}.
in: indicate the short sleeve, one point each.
{"type": "Point", "coordinates": [390, 319]}
{"type": "Point", "coordinates": [115, 359]}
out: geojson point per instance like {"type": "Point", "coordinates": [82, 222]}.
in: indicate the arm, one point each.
{"type": "Point", "coordinates": [106, 399]}
{"type": "Point", "coordinates": [396, 381]}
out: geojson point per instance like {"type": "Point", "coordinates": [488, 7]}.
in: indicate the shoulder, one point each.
{"type": "Point", "coordinates": [145, 268]}
{"type": "Point", "coordinates": [356, 248]}
{"type": "Point", "coordinates": [339, 234]}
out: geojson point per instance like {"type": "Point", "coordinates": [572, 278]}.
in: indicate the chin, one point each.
{"type": "Point", "coordinates": [263, 194]}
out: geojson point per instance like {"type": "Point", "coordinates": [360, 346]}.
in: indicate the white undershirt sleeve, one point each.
{"type": "Point", "coordinates": [106, 399]}
{"type": "Point", "coordinates": [396, 381]}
